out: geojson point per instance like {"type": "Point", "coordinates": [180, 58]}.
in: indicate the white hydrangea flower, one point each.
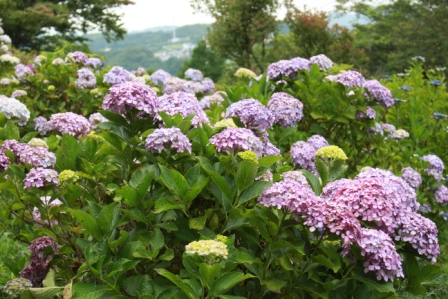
{"type": "Point", "coordinates": [208, 248]}
{"type": "Point", "coordinates": [400, 134]}
{"type": "Point", "coordinates": [5, 39]}
{"type": "Point", "coordinates": [12, 108]}
{"type": "Point", "coordinates": [10, 59]}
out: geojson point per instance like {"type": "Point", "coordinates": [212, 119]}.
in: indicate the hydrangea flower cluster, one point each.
{"type": "Point", "coordinates": [40, 125]}
{"type": "Point", "coordinates": [252, 114]}
{"type": "Point", "coordinates": [168, 138]}
{"type": "Point", "coordinates": [286, 109]}
{"type": "Point", "coordinates": [96, 118]}
{"type": "Point", "coordinates": [207, 248]}
{"type": "Point", "coordinates": [117, 75]}
{"type": "Point", "coordinates": [379, 93]}
{"type": "Point", "coordinates": [317, 142]}
{"type": "Point", "coordinates": [302, 155]}
{"type": "Point", "coordinates": [23, 71]}
{"type": "Point", "coordinates": [37, 142]}
{"type": "Point", "coordinates": [225, 123]}
{"type": "Point", "coordinates": [287, 68]}
{"type": "Point", "coordinates": [9, 59]}
{"type": "Point", "coordinates": [388, 128]}
{"type": "Point", "coordinates": [215, 98]}
{"type": "Point", "coordinates": [18, 93]}
{"type": "Point", "coordinates": [69, 123]}
{"type": "Point", "coordinates": [237, 140]}
{"type": "Point", "coordinates": [412, 177]}
{"type": "Point", "coordinates": [294, 175]}
{"type": "Point", "coordinates": [331, 152]}
{"type": "Point", "coordinates": [207, 86]}
{"type": "Point", "coordinates": [4, 161]}
{"type": "Point", "coordinates": [194, 75]}
{"type": "Point", "coordinates": [126, 96]}
{"type": "Point", "coordinates": [86, 79]}
{"type": "Point", "coordinates": [351, 79]}
{"type": "Point", "coordinates": [174, 84]}
{"type": "Point", "coordinates": [58, 61]}
{"type": "Point", "coordinates": [322, 61]}
{"type": "Point", "coordinates": [399, 134]}
{"type": "Point", "coordinates": [159, 77]}
{"type": "Point", "coordinates": [94, 62]}
{"type": "Point", "coordinates": [40, 258]}
{"type": "Point", "coordinates": [68, 176]}
{"type": "Point", "coordinates": [37, 157]}
{"type": "Point", "coordinates": [435, 167]}
{"type": "Point", "coordinates": [370, 113]}
{"type": "Point", "coordinates": [249, 156]}
{"type": "Point", "coordinates": [184, 104]}
{"type": "Point", "coordinates": [78, 56]}
{"type": "Point", "coordinates": [441, 195]}
{"type": "Point", "coordinates": [244, 73]}
{"type": "Point", "coordinates": [13, 108]}
{"type": "Point", "coordinates": [41, 177]}
{"type": "Point", "coordinates": [15, 287]}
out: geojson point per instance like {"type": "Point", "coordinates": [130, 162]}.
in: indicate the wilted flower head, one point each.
{"type": "Point", "coordinates": [117, 75]}
{"type": "Point", "coordinates": [237, 140]}
{"type": "Point", "coordinates": [41, 177]}
{"type": "Point", "coordinates": [370, 113]}
{"type": "Point", "coordinates": [351, 78]}
{"type": "Point", "coordinates": [68, 176]}
{"type": "Point", "coordinates": [126, 96]}
{"type": "Point", "coordinates": [435, 167]}
{"type": "Point", "coordinates": [14, 109]}
{"type": "Point", "coordinates": [15, 287]}
{"type": "Point", "coordinates": [78, 56]}
{"type": "Point", "coordinates": [168, 138]}
{"type": "Point", "coordinates": [244, 73]}
{"type": "Point", "coordinates": [379, 93]}
{"type": "Point", "coordinates": [441, 195]}
{"type": "Point", "coordinates": [159, 77]}
{"type": "Point", "coordinates": [69, 123]}
{"type": "Point", "coordinates": [86, 79]}
{"type": "Point", "coordinates": [331, 152]}
{"type": "Point", "coordinates": [194, 75]}
{"type": "Point", "coordinates": [412, 177]}
{"type": "Point", "coordinates": [207, 248]}
{"type": "Point", "coordinates": [184, 104]}
{"type": "Point", "coordinates": [286, 109]}
{"type": "Point", "coordinates": [322, 61]}
{"type": "Point", "coordinates": [252, 114]}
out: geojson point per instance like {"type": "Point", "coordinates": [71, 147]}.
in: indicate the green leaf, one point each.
{"type": "Point", "coordinates": [121, 132]}
{"type": "Point", "coordinates": [166, 204]}
{"type": "Point", "coordinates": [108, 218]}
{"type": "Point", "coordinates": [88, 291]}
{"type": "Point", "coordinates": [226, 282]}
{"type": "Point", "coordinates": [113, 139]}
{"type": "Point", "coordinates": [138, 285]}
{"type": "Point", "coordinates": [253, 191]}
{"type": "Point", "coordinates": [274, 285]}
{"type": "Point", "coordinates": [49, 279]}
{"type": "Point", "coordinates": [383, 287]}
{"type": "Point", "coordinates": [245, 175]}
{"type": "Point", "coordinates": [412, 273]}
{"type": "Point", "coordinates": [222, 190]}
{"type": "Point", "coordinates": [11, 131]}
{"type": "Point", "coordinates": [45, 293]}
{"type": "Point", "coordinates": [313, 181]}
{"type": "Point", "coordinates": [141, 173]}
{"type": "Point", "coordinates": [195, 190]}
{"type": "Point", "coordinates": [129, 194]}
{"type": "Point", "coordinates": [88, 222]}
{"type": "Point", "coordinates": [268, 160]}
{"type": "Point", "coordinates": [322, 169]}
{"type": "Point", "coordinates": [197, 223]}
{"type": "Point", "coordinates": [337, 173]}
{"type": "Point", "coordinates": [156, 241]}
{"type": "Point", "coordinates": [186, 288]}
{"type": "Point", "coordinates": [235, 223]}
{"type": "Point", "coordinates": [325, 262]}
{"type": "Point", "coordinates": [28, 137]}
{"type": "Point", "coordinates": [114, 117]}
{"type": "Point", "coordinates": [174, 181]}
{"type": "Point", "coordinates": [67, 153]}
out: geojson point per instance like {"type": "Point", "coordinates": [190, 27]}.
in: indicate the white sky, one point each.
{"type": "Point", "coordinates": [153, 13]}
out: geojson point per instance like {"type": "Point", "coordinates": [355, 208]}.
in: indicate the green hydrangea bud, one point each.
{"type": "Point", "coordinates": [331, 152]}
{"type": "Point", "coordinates": [68, 176]}
{"type": "Point", "coordinates": [245, 73]}
{"type": "Point", "coordinates": [248, 156]}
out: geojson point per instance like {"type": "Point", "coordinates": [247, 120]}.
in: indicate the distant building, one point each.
{"type": "Point", "coordinates": [177, 50]}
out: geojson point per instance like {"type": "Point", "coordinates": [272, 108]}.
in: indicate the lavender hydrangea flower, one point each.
{"type": "Point", "coordinates": [40, 125]}
{"type": "Point", "coordinates": [159, 77]}
{"type": "Point", "coordinates": [117, 75]}
{"type": "Point", "coordinates": [435, 167]}
{"type": "Point", "coordinates": [140, 71]}
{"type": "Point", "coordinates": [322, 61]}
{"type": "Point", "coordinates": [286, 109]}
{"type": "Point", "coordinates": [184, 104]}
{"type": "Point", "coordinates": [94, 62]}
{"type": "Point", "coordinates": [78, 56]}
{"type": "Point", "coordinates": [215, 98]}
{"type": "Point", "coordinates": [168, 138]}
{"type": "Point", "coordinates": [174, 84]}
{"type": "Point", "coordinates": [126, 96]}
{"type": "Point", "coordinates": [379, 93]}
{"type": "Point", "coordinates": [38, 157]}
{"type": "Point", "coordinates": [23, 71]}
{"type": "Point", "coordinates": [317, 141]}
{"type": "Point", "coordinates": [287, 68]}
{"type": "Point", "coordinates": [14, 146]}
{"type": "Point", "coordinates": [237, 140]}
{"type": "Point", "coordinates": [441, 195]}
{"type": "Point", "coordinates": [275, 70]}
{"type": "Point", "coordinates": [425, 208]}
{"type": "Point", "coordinates": [96, 118]}
{"type": "Point", "coordinates": [207, 86]}
{"type": "Point", "coordinates": [252, 114]}
{"type": "Point", "coordinates": [412, 177]}
{"type": "Point", "coordinates": [13, 108]}
{"type": "Point", "coordinates": [4, 161]}
{"type": "Point", "coordinates": [18, 93]}
{"type": "Point", "coordinates": [302, 155]}
{"type": "Point", "coordinates": [69, 123]}
{"type": "Point", "coordinates": [388, 128]}
{"type": "Point", "coordinates": [86, 79]}
{"type": "Point", "coordinates": [378, 129]}
{"type": "Point", "coordinates": [350, 79]}
{"type": "Point", "coordinates": [194, 75]}
{"type": "Point", "coordinates": [370, 113]}
{"type": "Point", "coordinates": [41, 177]}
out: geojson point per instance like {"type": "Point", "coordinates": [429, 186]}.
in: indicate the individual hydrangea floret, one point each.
{"type": "Point", "coordinates": [252, 114]}
{"type": "Point", "coordinates": [159, 77]}
{"type": "Point", "coordinates": [331, 152]}
{"type": "Point", "coordinates": [215, 98]}
{"type": "Point", "coordinates": [68, 176]}
{"type": "Point", "coordinates": [127, 96]}
{"type": "Point", "coordinates": [41, 125]}
{"type": "Point", "coordinates": [370, 113]}
{"type": "Point", "coordinates": [379, 93]}
{"type": "Point", "coordinates": [15, 287]}
{"type": "Point", "coordinates": [69, 123]}
{"type": "Point", "coordinates": [244, 73]}
{"type": "Point", "coordinates": [302, 155]}
{"type": "Point", "coordinates": [399, 134]}
{"type": "Point", "coordinates": [117, 75]}
{"type": "Point", "coordinates": [237, 140]}
{"type": "Point", "coordinates": [41, 177]}
{"type": "Point", "coordinates": [441, 195]}
{"type": "Point", "coordinates": [435, 168]}
{"type": "Point", "coordinates": [351, 79]}
{"type": "Point", "coordinates": [194, 75]}
{"type": "Point", "coordinates": [23, 71]}
{"type": "Point", "coordinates": [249, 156]}
{"type": "Point", "coordinates": [207, 248]}
{"type": "Point", "coordinates": [78, 56]}
{"type": "Point", "coordinates": [19, 93]}
{"type": "Point", "coordinates": [14, 109]}
{"type": "Point", "coordinates": [168, 138]}
{"type": "Point", "coordinates": [86, 79]}
{"type": "Point", "coordinates": [38, 157]}
{"type": "Point", "coordinates": [412, 177]}
{"type": "Point", "coordinates": [322, 61]}
{"type": "Point", "coordinates": [286, 109]}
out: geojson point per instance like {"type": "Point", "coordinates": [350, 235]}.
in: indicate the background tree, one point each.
{"type": "Point", "coordinates": [27, 22]}
{"type": "Point", "coordinates": [205, 60]}
{"type": "Point", "coordinates": [239, 26]}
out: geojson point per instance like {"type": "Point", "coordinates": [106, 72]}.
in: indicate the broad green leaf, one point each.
{"type": "Point", "coordinates": [67, 153]}
{"type": "Point", "coordinates": [245, 175]}
{"type": "Point", "coordinates": [325, 262]}
{"type": "Point", "coordinates": [222, 189]}
{"type": "Point", "coordinates": [88, 222]}
{"type": "Point", "coordinates": [166, 204]}
{"type": "Point", "coordinates": [313, 181]}
{"type": "Point", "coordinates": [274, 285]}
{"type": "Point", "coordinates": [46, 292]}
{"type": "Point", "coordinates": [197, 223]}
{"type": "Point", "coordinates": [113, 139]}
{"type": "Point", "coordinates": [138, 285]}
{"type": "Point", "coordinates": [88, 290]}
{"type": "Point", "coordinates": [11, 131]}
{"type": "Point", "coordinates": [187, 289]}
{"type": "Point", "coordinates": [236, 223]}
{"type": "Point", "coordinates": [121, 132]}
{"type": "Point", "coordinates": [380, 286]}
{"type": "Point", "coordinates": [139, 174]}
{"type": "Point", "coordinates": [114, 117]}
{"type": "Point", "coordinates": [108, 218]}
{"type": "Point", "coordinates": [226, 282]}
{"type": "Point", "coordinates": [195, 190]}
{"type": "Point", "coordinates": [156, 241]}
{"type": "Point", "coordinates": [322, 169]}
{"type": "Point", "coordinates": [268, 160]}
{"type": "Point", "coordinates": [174, 181]}
{"type": "Point", "coordinates": [412, 273]}
{"type": "Point", "coordinates": [253, 191]}
{"type": "Point", "coordinates": [129, 194]}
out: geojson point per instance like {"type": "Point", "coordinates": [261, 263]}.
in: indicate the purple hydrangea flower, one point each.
{"type": "Point", "coordinates": [37, 157]}
{"type": "Point", "coordinates": [435, 167]}
{"type": "Point", "coordinates": [14, 146]}
{"type": "Point", "coordinates": [317, 142]}
{"type": "Point", "coordinates": [23, 71]}
{"type": "Point", "coordinates": [388, 128]}
{"type": "Point", "coordinates": [159, 77]}
{"type": "Point", "coordinates": [168, 138]}
{"type": "Point", "coordinates": [350, 79]}
{"type": "Point", "coordinates": [412, 177]}
{"type": "Point", "coordinates": [96, 118]}
{"type": "Point", "coordinates": [302, 155]}
{"type": "Point", "coordinates": [207, 86]}
{"type": "Point", "coordinates": [86, 79]}
{"type": "Point", "coordinates": [275, 70]}
{"type": "Point", "coordinates": [78, 56]}
{"type": "Point", "coordinates": [184, 104]}
{"type": "Point", "coordinates": [322, 61]}
{"type": "Point", "coordinates": [126, 96]}
{"type": "Point", "coordinates": [215, 98]}
{"type": "Point", "coordinates": [174, 84]}
{"type": "Point", "coordinates": [94, 62]}
{"type": "Point", "coordinates": [286, 109]}
{"type": "Point", "coordinates": [194, 75]}
{"type": "Point", "coordinates": [41, 177]}
{"type": "Point", "coordinates": [269, 149]}
{"type": "Point", "coordinates": [69, 123]}
{"type": "Point", "coordinates": [441, 195]}
{"type": "Point", "coordinates": [40, 125]}
{"type": "Point", "coordinates": [140, 71]}
{"type": "Point", "coordinates": [252, 114]}
{"type": "Point", "coordinates": [117, 75]}
{"type": "Point", "coordinates": [370, 113]}
{"type": "Point", "coordinates": [378, 129]}
{"type": "Point", "coordinates": [425, 208]}
{"type": "Point", "coordinates": [4, 161]}
{"type": "Point", "coordinates": [379, 93]}
{"type": "Point", "coordinates": [237, 140]}
{"type": "Point", "coordinates": [287, 68]}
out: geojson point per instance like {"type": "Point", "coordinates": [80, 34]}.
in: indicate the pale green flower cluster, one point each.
{"type": "Point", "coordinates": [68, 176]}
{"type": "Point", "coordinates": [245, 73]}
{"type": "Point", "coordinates": [331, 152]}
{"type": "Point", "coordinates": [37, 142]}
{"type": "Point", "coordinates": [400, 134]}
{"type": "Point", "coordinates": [221, 238]}
{"type": "Point", "coordinates": [228, 122]}
{"type": "Point", "coordinates": [14, 288]}
{"type": "Point", "coordinates": [207, 248]}
{"type": "Point", "coordinates": [248, 156]}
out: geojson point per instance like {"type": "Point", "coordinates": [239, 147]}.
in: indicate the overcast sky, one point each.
{"type": "Point", "coordinates": [151, 13]}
